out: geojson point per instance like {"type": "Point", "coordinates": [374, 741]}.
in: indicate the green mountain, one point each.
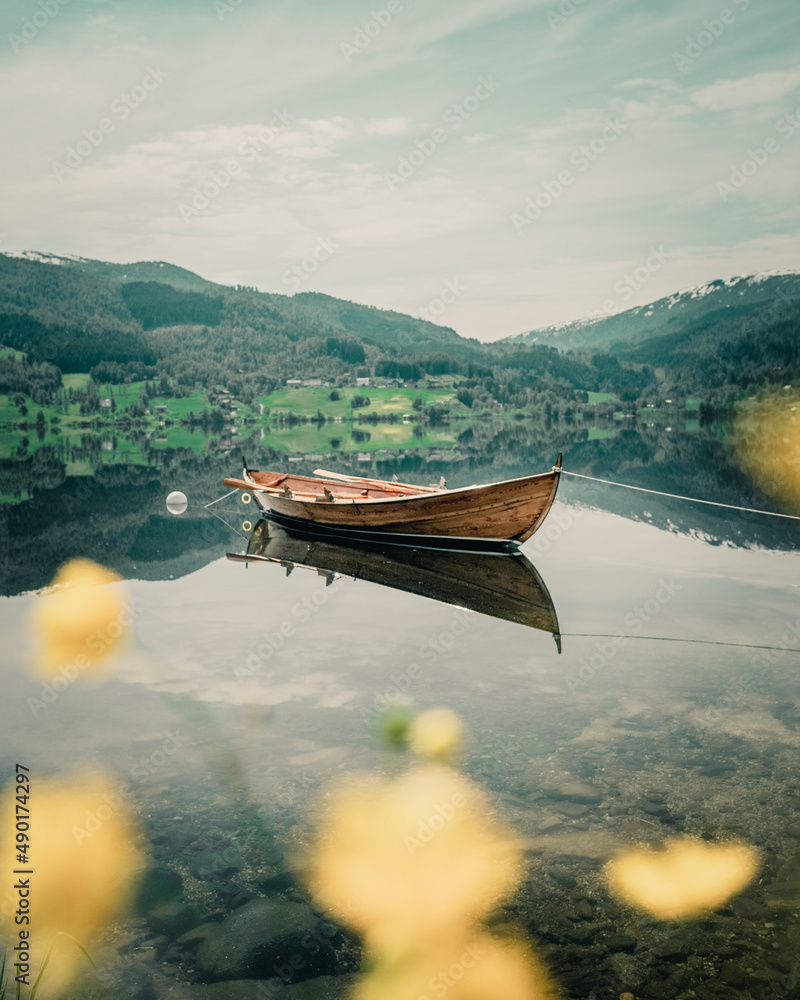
{"type": "Point", "coordinates": [153, 320]}
{"type": "Point", "coordinates": [149, 270]}
{"type": "Point", "coordinates": [731, 332]}
{"type": "Point", "coordinates": [672, 315]}
{"type": "Point", "coordinates": [75, 313]}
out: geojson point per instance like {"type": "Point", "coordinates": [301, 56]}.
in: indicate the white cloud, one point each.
{"type": "Point", "coordinates": [323, 174]}
{"type": "Point", "coordinates": [387, 126]}
{"type": "Point", "coordinates": [747, 90]}
{"type": "Point", "coordinates": [193, 152]}
{"type": "Point", "coordinates": [646, 81]}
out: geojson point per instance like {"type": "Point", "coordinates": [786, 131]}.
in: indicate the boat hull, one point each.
{"type": "Point", "coordinates": [509, 511]}
{"type": "Point", "coordinates": [403, 539]}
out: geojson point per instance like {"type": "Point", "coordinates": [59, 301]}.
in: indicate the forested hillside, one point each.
{"type": "Point", "coordinates": [735, 332]}
{"type": "Point", "coordinates": [152, 320]}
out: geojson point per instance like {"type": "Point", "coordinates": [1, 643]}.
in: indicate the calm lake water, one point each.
{"type": "Point", "coordinates": [247, 690]}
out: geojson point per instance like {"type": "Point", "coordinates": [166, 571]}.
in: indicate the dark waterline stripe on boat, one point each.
{"type": "Point", "coordinates": [497, 546]}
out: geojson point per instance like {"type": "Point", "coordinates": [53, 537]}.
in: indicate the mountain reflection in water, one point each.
{"type": "Point", "coordinates": [503, 586]}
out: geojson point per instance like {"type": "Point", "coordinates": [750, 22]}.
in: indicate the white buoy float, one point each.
{"type": "Point", "coordinates": [177, 502]}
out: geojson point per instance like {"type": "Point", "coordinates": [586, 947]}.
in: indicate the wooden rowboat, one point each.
{"type": "Point", "coordinates": [504, 586]}
{"type": "Point", "coordinates": [492, 517]}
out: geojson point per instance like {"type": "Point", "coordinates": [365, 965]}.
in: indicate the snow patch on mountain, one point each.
{"type": "Point", "coordinates": [45, 258]}
{"type": "Point", "coordinates": [699, 291]}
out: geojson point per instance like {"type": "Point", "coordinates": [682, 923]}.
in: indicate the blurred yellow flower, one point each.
{"type": "Point", "coordinates": [416, 864]}
{"type": "Point", "coordinates": [766, 443]}
{"type": "Point", "coordinates": [80, 621]}
{"type": "Point", "coordinates": [85, 861]}
{"type": "Point", "coordinates": [687, 878]}
{"type": "Point", "coordinates": [412, 860]}
{"type": "Point", "coordinates": [478, 968]}
{"type": "Point", "coordinates": [436, 734]}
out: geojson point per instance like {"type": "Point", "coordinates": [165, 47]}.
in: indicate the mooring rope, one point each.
{"type": "Point", "coordinates": [672, 638]}
{"type": "Point", "coordinates": [677, 496]}
{"type": "Point", "coordinates": [225, 497]}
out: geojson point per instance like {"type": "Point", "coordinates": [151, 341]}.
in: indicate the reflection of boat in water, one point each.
{"type": "Point", "coordinates": [505, 586]}
{"type": "Point", "coordinates": [496, 516]}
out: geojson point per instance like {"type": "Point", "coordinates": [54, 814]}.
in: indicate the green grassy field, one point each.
{"type": "Point", "coordinates": [76, 380]}
{"type": "Point", "coordinates": [602, 397]}
{"type": "Point", "coordinates": [306, 401]}
{"type": "Point", "coordinates": [177, 408]}
{"type": "Point", "coordinates": [123, 395]}
{"type": "Point", "coordinates": [10, 352]}
{"type": "Point", "coordinates": [310, 438]}
{"type": "Point", "coordinates": [9, 414]}
{"type": "Point", "coordinates": [12, 498]}
{"type": "Point", "coordinates": [126, 394]}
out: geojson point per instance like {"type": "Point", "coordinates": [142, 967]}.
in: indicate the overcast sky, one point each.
{"type": "Point", "coordinates": [498, 165]}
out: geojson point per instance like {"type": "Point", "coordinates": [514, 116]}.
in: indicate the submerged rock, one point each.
{"type": "Point", "coordinates": [573, 810]}
{"type": "Point", "coordinates": [321, 988]}
{"type": "Point", "coordinates": [209, 864]}
{"type": "Point", "coordinates": [174, 918]}
{"type": "Point", "coordinates": [562, 877]}
{"type": "Point", "coordinates": [630, 972]}
{"type": "Point", "coordinates": [267, 938]}
{"type": "Point", "coordinates": [620, 942]}
{"type": "Point", "coordinates": [579, 791]}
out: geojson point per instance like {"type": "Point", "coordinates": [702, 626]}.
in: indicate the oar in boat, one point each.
{"type": "Point", "coordinates": [380, 484]}
{"type": "Point", "coordinates": [243, 484]}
